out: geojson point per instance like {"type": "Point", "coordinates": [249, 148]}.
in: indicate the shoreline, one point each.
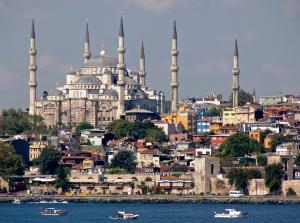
{"type": "Point", "coordinates": [159, 199]}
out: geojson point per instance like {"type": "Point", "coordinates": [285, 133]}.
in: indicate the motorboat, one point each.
{"type": "Point", "coordinates": [16, 201]}
{"type": "Point", "coordinates": [230, 213]}
{"type": "Point", "coordinates": [53, 212]}
{"type": "Point", "coordinates": [122, 215]}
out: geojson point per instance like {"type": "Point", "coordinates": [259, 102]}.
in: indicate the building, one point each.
{"type": "Point", "coordinates": [94, 136]}
{"type": "Point", "coordinates": [101, 90]}
{"type": "Point", "coordinates": [235, 80]}
{"type": "Point", "coordinates": [230, 116]}
{"type": "Point", "coordinates": [148, 158]}
{"type": "Point", "coordinates": [138, 114]}
{"type": "Point", "coordinates": [256, 135]}
{"type": "Point", "coordinates": [185, 116]}
{"type": "Point", "coordinates": [203, 126]}
{"type": "Point", "coordinates": [36, 148]}
{"type": "Point", "coordinates": [168, 128]}
{"type": "Point", "coordinates": [215, 124]}
{"type": "Point", "coordinates": [287, 149]}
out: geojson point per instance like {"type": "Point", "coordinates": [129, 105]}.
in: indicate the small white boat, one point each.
{"type": "Point", "coordinates": [122, 215]}
{"type": "Point", "coordinates": [53, 212]}
{"type": "Point", "coordinates": [230, 213]}
{"type": "Point", "coordinates": [16, 201]}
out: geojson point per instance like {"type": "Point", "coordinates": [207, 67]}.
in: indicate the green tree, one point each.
{"type": "Point", "coordinates": [240, 144]}
{"type": "Point", "coordinates": [124, 159]}
{"type": "Point", "coordinates": [297, 161]}
{"type": "Point", "coordinates": [278, 139]}
{"type": "Point", "coordinates": [10, 162]}
{"type": "Point", "coordinates": [16, 121]}
{"type": "Point", "coordinates": [214, 111]}
{"type": "Point", "coordinates": [262, 160]}
{"type": "Point", "coordinates": [62, 178]}
{"type": "Point", "coordinates": [240, 177]}
{"type": "Point", "coordinates": [291, 192]}
{"type": "Point", "coordinates": [82, 126]}
{"type": "Point", "coordinates": [155, 135]}
{"type": "Point", "coordinates": [244, 97]}
{"type": "Point", "coordinates": [273, 177]}
{"type": "Point", "coordinates": [115, 171]}
{"type": "Point", "coordinates": [48, 161]}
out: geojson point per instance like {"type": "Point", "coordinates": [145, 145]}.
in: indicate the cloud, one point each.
{"type": "Point", "coordinates": [155, 5]}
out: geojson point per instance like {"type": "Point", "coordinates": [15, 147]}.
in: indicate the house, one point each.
{"type": "Point", "coordinates": [287, 149]}
{"type": "Point", "coordinates": [175, 185]}
{"type": "Point", "coordinates": [94, 136]}
{"type": "Point", "coordinates": [148, 158]}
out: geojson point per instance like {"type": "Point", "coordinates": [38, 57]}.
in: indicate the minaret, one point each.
{"type": "Point", "coordinates": [235, 81]}
{"type": "Point", "coordinates": [142, 66]}
{"type": "Point", "coordinates": [254, 96]}
{"type": "Point", "coordinates": [121, 71]}
{"type": "Point", "coordinates": [32, 72]}
{"type": "Point", "coordinates": [87, 51]}
{"type": "Point", "coordinates": [174, 70]}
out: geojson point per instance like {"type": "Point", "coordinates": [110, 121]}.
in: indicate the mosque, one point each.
{"type": "Point", "coordinates": [103, 89]}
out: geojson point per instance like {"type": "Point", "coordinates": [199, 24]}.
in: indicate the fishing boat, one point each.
{"type": "Point", "coordinates": [122, 215]}
{"type": "Point", "coordinates": [16, 201]}
{"type": "Point", "coordinates": [53, 212]}
{"type": "Point", "coordinates": [230, 213]}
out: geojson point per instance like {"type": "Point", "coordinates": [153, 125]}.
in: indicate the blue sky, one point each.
{"type": "Point", "coordinates": [268, 34]}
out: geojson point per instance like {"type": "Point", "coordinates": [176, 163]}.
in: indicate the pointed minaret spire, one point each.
{"type": "Point", "coordinates": [87, 51]}
{"type": "Point", "coordinates": [87, 35]}
{"type": "Point", "coordinates": [254, 96]}
{"type": "Point", "coordinates": [174, 31]}
{"type": "Point", "coordinates": [142, 72]}
{"type": "Point", "coordinates": [32, 72]}
{"type": "Point", "coordinates": [121, 30]}
{"type": "Point", "coordinates": [32, 30]}
{"type": "Point", "coordinates": [142, 51]}
{"type": "Point", "coordinates": [236, 50]}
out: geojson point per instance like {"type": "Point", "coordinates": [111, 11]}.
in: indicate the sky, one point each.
{"type": "Point", "coordinates": [268, 34]}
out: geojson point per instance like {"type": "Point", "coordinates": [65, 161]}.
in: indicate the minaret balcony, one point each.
{"type": "Point", "coordinates": [121, 66]}
{"type": "Point", "coordinates": [174, 85]}
{"type": "Point", "coordinates": [174, 53]}
{"type": "Point", "coordinates": [121, 50]}
{"type": "Point", "coordinates": [174, 68]}
{"type": "Point", "coordinates": [32, 83]}
{"type": "Point", "coordinates": [32, 67]}
{"type": "Point", "coordinates": [32, 52]}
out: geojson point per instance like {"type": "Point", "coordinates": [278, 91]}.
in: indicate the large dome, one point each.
{"type": "Point", "coordinates": [88, 79]}
{"type": "Point", "coordinates": [102, 60]}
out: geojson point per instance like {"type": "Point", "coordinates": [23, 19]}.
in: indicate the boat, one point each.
{"type": "Point", "coordinates": [53, 212]}
{"type": "Point", "coordinates": [122, 215]}
{"type": "Point", "coordinates": [230, 213]}
{"type": "Point", "coordinates": [16, 201]}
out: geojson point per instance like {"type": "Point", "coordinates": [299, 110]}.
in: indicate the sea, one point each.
{"type": "Point", "coordinates": [154, 213]}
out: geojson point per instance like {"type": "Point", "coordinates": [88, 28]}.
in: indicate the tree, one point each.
{"type": "Point", "coordinates": [240, 177]}
{"type": "Point", "coordinates": [262, 160]}
{"type": "Point", "coordinates": [155, 135]}
{"type": "Point", "coordinates": [273, 177]}
{"type": "Point", "coordinates": [82, 126]}
{"type": "Point", "coordinates": [278, 139]}
{"type": "Point", "coordinates": [290, 192]}
{"type": "Point", "coordinates": [240, 144]}
{"type": "Point", "coordinates": [214, 111]}
{"type": "Point", "coordinates": [16, 121]}
{"type": "Point", "coordinates": [124, 159]}
{"type": "Point", "coordinates": [297, 161]}
{"type": "Point", "coordinates": [62, 178]}
{"type": "Point", "coordinates": [48, 161]}
{"type": "Point", "coordinates": [121, 128]}
{"type": "Point", "coordinates": [10, 162]}
{"type": "Point", "coordinates": [243, 97]}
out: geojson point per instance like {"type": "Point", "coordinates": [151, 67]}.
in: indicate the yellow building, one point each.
{"type": "Point", "coordinates": [230, 116]}
{"type": "Point", "coordinates": [36, 148]}
{"type": "Point", "coordinates": [267, 142]}
{"type": "Point", "coordinates": [185, 116]}
{"type": "Point", "coordinates": [215, 124]}
{"type": "Point", "coordinates": [256, 135]}
{"type": "Point", "coordinates": [88, 164]}
{"type": "Point", "coordinates": [246, 114]}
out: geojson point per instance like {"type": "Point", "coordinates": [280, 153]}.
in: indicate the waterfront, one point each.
{"type": "Point", "coordinates": [175, 213]}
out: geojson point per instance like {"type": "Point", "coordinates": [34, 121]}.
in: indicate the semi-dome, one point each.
{"type": "Point", "coordinates": [55, 92]}
{"type": "Point", "coordinates": [88, 79]}
{"type": "Point", "coordinates": [110, 92]}
{"type": "Point", "coordinates": [102, 60]}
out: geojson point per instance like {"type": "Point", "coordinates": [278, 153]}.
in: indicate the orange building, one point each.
{"type": "Point", "coordinates": [256, 135]}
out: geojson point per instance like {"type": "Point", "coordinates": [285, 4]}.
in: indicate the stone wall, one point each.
{"type": "Point", "coordinates": [294, 184]}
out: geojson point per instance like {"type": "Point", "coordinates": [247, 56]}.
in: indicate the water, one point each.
{"type": "Point", "coordinates": [154, 213]}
